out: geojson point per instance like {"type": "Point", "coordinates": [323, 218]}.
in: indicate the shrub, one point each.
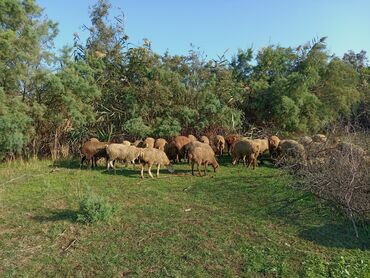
{"type": "Point", "coordinates": [94, 209]}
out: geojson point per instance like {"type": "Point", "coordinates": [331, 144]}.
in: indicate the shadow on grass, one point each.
{"type": "Point", "coordinates": [57, 215]}
{"type": "Point", "coordinates": [338, 235]}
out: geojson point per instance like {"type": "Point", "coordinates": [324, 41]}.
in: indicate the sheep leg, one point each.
{"type": "Point", "coordinates": [205, 168]}
{"type": "Point", "coordinates": [82, 160]}
{"type": "Point", "coordinates": [192, 167]}
{"type": "Point", "coordinates": [158, 167]}
{"type": "Point", "coordinates": [149, 170]}
{"type": "Point", "coordinates": [244, 161]}
{"type": "Point", "coordinates": [142, 171]}
{"type": "Point", "coordinates": [95, 160]}
{"type": "Point", "coordinates": [199, 173]}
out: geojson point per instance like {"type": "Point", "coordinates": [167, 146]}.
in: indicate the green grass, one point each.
{"type": "Point", "coordinates": [237, 222]}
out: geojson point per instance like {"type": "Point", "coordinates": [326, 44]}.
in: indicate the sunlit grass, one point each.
{"type": "Point", "coordinates": [236, 222]}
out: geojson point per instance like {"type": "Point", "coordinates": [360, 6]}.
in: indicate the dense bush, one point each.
{"type": "Point", "coordinates": [94, 209]}
{"type": "Point", "coordinates": [106, 88]}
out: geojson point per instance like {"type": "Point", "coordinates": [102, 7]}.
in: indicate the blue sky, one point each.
{"type": "Point", "coordinates": [217, 25]}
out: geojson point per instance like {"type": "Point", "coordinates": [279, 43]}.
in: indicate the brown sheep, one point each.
{"type": "Point", "coordinates": [230, 140]}
{"type": "Point", "coordinates": [92, 150]}
{"type": "Point", "coordinates": [204, 139]}
{"type": "Point", "coordinates": [171, 151]}
{"type": "Point", "coordinates": [247, 150]}
{"type": "Point", "coordinates": [202, 154]}
{"type": "Point", "coordinates": [152, 156]}
{"type": "Point", "coordinates": [160, 144]}
{"type": "Point", "coordinates": [180, 142]}
{"type": "Point", "coordinates": [149, 142]}
{"type": "Point", "coordinates": [139, 144]}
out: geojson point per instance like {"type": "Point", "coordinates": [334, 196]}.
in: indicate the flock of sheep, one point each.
{"type": "Point", "coordinates": [159, 151]}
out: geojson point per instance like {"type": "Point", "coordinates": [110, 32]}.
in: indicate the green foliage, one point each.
{"type": "Point", "coordinates": [94, 209]}
{"type": "Point", "coordinates": [105, 87]}
{"type": "Point", "coordinates": [15, 128]}
{"type": "Point", "coordinates": [136, 127]}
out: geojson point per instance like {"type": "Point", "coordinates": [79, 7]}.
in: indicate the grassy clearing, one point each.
{"type": "Point", "coordinates": [236, 222]}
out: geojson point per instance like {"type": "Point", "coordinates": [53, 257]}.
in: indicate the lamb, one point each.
{"type": "Point", "coordinates": [160, 144]}
{"type": "Point", "coordinates": [247, 150]}
{"type": "Point", "coordinates": [219, 143]}
{"type": "Point", "coordinates": [204, 139]}
{"type": "Point", "coordinates": [192, 138]}
{"type": "Point", "coordinates": [179, 143]}
{"type": "Point", "coordinates": [319, 138]}
{"type": "Point", "coordinates": [151, 156]}
{"type": "Point", "coordinates": [292, 149]}
{"type": "Point", "coordinates": [122, 152]}
{"type": "Point", "coordinates": [149, 142]}
{"type": "Point", "coordinates": [230, 140]}
{"type": "Point", "coordinates": [126, 143]}
{"type": "Point", "coordinates": [273, 145]}
{"type": "Point", "coordinates": [91, 151]}
{"type": "Point", "coordinates": [202, 154]}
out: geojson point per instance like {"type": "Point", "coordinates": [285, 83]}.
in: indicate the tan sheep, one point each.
{"type": "Point", "coordinates": [92, 150]}
{"type": "Point", "coordinates": [202, 154]}
{"type": "Point", "coordinates": [247, 150]}
{"type": "Point", "coordinates": [122, 152]}
{"type": "Point", "coordinates": [152, 156]}
{"type": "Point", "coordinates": [126, 143]}
{"type": "Point", "coordinates": [149, 142]}
{"type": "Point", "coordinates": [263, 145]}
{"type": "Point", "coordinates": [192, 138]}
{"type": "Point", "coordinates": [160, 144]}
{"type": "Point", "coordinates": [273, 145]}
{"type": "Point", "coordinates": [219, 143]}
{"type": "Point", "coordinates": [204, 139]}
{"type": "Point", "coordinates": [292, 149]}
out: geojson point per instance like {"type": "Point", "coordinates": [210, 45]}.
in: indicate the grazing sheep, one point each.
{"type": "Point", "coordinates": [230, 140]}
{"type": "Point", "coordinates": [180, 142]}
{"type": "Point", "coordinates": [171, 151]}
{"type": "Point", "coordinates": [192, 138]}
{"type": "Point", "coordinates": [202, 154]}
{"type": "Point", "coordinates": [292, 149]}
{"type": "Point", "coordinates": [204, 139]}
{"type": "Point", "coordinates": [91, 151]}
{"type": "Point", "coordinates": [319, 138]}
{"type": "Point", "coordinates": [126, 143]}
{"type": "Point", "coordinates": [219, 143]}
{"type": "Point", "coordinates": [122, 152]}
{"type": "Point", "coordinates": [247, 150]}
{"type": "Point", "coordinates": [160, 144]}
{"type": "Point", "coordinates": [152, 156]}
{"type": "Point", "coordinates": [263, 145]}
{"type": "Point", "coordinates": [149, 142]}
